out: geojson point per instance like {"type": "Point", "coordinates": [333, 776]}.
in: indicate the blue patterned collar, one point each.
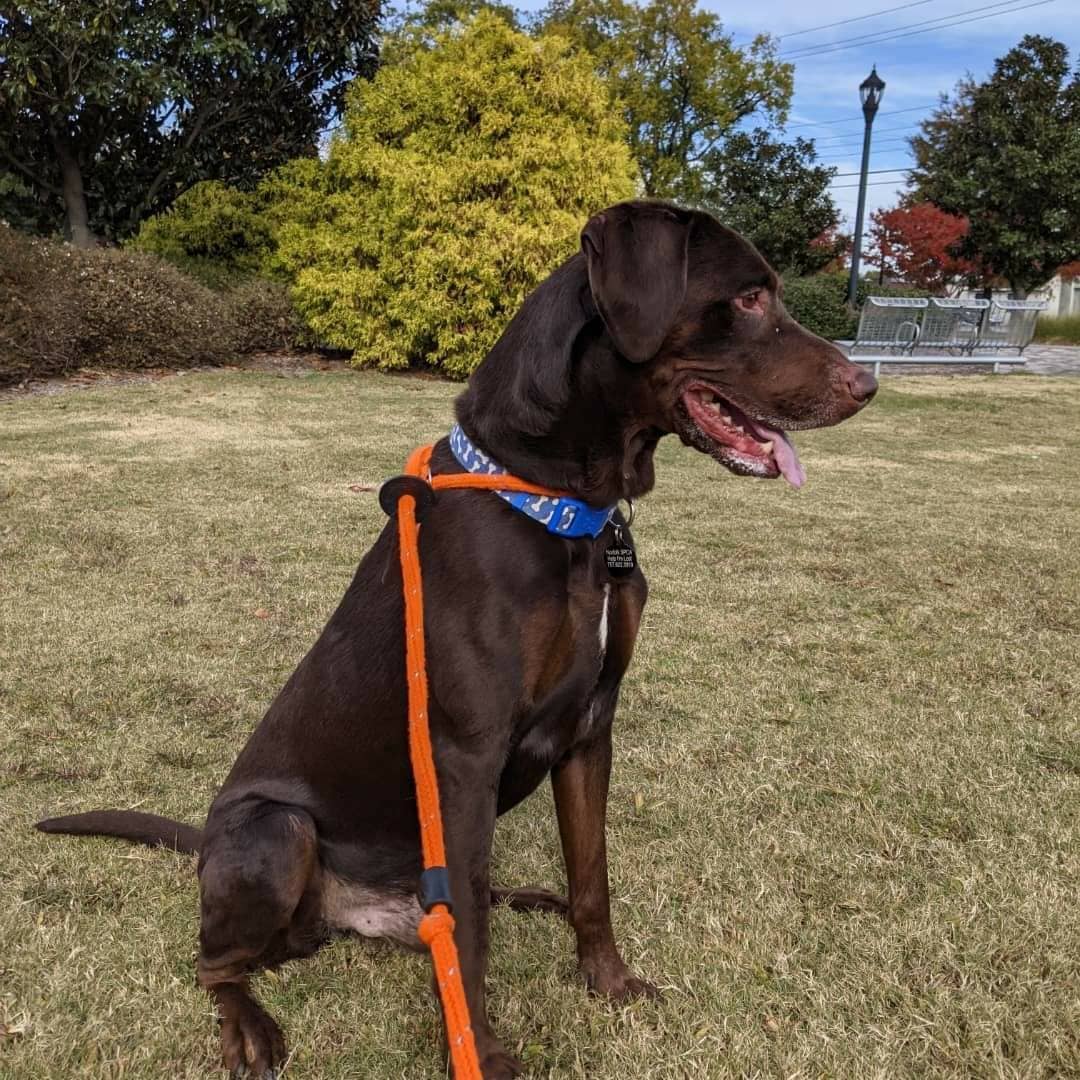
{"type": "Point", "coordinates": [560, 515]}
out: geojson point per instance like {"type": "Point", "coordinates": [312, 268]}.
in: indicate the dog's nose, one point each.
{"type": "Point", "coordinates": [861, 385]}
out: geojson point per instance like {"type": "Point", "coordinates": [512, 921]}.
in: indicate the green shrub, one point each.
{"type": "Point", "coordinates": [464, 175]}
{"type": "Point", "coordinates": [1058, 330]}
{"type": "Point", "coordinates": [66, 308]}
{"type": "Point", "coordinates": [212, 232]}
{"type": "Point", "coordinates": [820, 302]}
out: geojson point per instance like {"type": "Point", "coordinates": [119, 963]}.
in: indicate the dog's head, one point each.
{"type": "Point", "coordinates": [727, 368]}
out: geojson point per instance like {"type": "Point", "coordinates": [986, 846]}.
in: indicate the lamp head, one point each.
{"type": "Point", "coordinates": [871, 91]}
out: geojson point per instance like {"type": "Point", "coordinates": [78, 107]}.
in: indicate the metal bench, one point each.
{"type": "Point", "coordinates": [901, 330]}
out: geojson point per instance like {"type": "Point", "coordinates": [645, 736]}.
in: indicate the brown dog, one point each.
{"type": "Point", "coordinates": [665, 323]}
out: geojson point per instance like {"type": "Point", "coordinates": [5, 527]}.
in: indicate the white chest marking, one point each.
{"type": "Point", "coordinates": [604, 620]}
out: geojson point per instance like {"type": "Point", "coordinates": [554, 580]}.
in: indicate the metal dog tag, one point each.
{"type": "Point", "coordinates": [620, 557]}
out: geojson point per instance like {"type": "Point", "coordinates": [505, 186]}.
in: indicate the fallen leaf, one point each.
{"type": "Point", "coordinates": [262, 613]}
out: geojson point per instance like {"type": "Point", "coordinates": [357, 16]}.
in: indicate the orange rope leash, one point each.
{"type": "Point", "coordinates": [436, 929]}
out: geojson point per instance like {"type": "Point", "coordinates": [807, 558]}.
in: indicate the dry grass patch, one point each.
{"type": "Point", "coordinates": [845, 818]}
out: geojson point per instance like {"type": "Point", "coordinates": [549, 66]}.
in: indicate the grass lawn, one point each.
{"type": "Point", "coordinates": [845, 817]}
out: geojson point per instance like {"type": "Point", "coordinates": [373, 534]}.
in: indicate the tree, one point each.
{"type": "Point", "coordinates": [463, 176]}
{"type": "Point", "coordinates": [109, 110]}
{"type": "Point", "coordinates": [438, 16]}
{"type": "Point", "coordinates": [418, 24]}
{"type": "Point", "coordinates": [1005, 154]}
{"type": "Point", "coordinates": [918, 242]}
{"type": "Point", "coordinates": [832, 249]}
{"type": "Point", "coordinates": [682, 85]}
{"type": "Point", "coordinates": [776, 195]}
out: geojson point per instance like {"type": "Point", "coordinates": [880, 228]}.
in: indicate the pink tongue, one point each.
{"type": "Point", "coordinates": [784, 452]}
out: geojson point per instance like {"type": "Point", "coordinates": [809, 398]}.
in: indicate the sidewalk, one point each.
{"type": "Point", "coordinates": [1041, 360]}
{"type": "Point", "coordinates": [1052, 360]}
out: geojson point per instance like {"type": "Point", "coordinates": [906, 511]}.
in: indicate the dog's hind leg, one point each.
{"type": "Point", "coordinates": [259, 892]}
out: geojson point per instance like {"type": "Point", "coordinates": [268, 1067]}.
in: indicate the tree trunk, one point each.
{"type": "Point", "coordinates": [78, 218]}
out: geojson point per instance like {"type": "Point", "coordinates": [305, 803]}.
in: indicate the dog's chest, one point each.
{"type": "Point", "coordinates": [566, 665]}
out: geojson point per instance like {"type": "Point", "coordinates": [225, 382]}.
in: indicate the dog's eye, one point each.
{"type": "Point", "coordinates": [752, 301]}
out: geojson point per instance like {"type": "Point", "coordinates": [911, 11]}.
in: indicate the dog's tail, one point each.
{"type": "Point", "coordinates": [128, 825]}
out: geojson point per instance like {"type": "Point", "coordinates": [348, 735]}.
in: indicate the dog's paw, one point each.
{"type": "Point", "coordinates": [252, 1046]}
{"type": "Point", "coordinates": [499, 1065]}
{"type": "Point", "coordinates": [618, 983]}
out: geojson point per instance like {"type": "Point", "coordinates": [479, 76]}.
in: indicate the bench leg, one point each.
{"type": "Point", "coordinates": [877, 369]}
{"type": "Point", "coordinates": [997, 368]}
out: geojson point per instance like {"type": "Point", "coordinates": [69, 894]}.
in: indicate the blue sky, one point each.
{"type": "Point", "coordinates": [916, 69]}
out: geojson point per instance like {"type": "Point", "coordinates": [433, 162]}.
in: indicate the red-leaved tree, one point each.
{"type": "Point", "coordinates": [915, 243]}
{"type": "Point", "coordinates": [829, 249]}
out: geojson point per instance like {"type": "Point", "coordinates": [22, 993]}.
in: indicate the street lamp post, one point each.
{"type": "Point", "coordinates": [871, 91]}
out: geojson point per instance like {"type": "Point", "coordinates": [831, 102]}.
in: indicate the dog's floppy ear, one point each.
{"type": "Point", "coordinates": [637, 273]}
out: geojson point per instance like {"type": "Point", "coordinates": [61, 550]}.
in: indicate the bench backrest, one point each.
{"type": "Point", "coordinates": [889, 322]}
{"type": "Point", "coordinates": [952, 324]}
{"type": "Point", "coordinates": [1010, 324]}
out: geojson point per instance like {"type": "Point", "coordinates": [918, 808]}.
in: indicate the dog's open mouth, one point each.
{"type": "Point", "coordinates": [738, 441]}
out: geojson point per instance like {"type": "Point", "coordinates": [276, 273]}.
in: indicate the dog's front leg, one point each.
{"type": "Point", "coordinates": [580, 782]}
{"type": "Point", "coordinates": [468, 796]}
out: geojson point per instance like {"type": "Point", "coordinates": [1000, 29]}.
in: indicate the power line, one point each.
{"type": "Point", "coordinates": [896, 29]}
{"type": "Point", "coordinates": [856, 43]}
{"type": "Point", "coordinates": [857, 18]}
{"type": "Point", "coordinates": [851, 135]}
{"type": "Point", "coordinates": [848, 119]}
{"type": "Point", "coordinates": [892, 139]}
{"type": "Point", "coordinates": [855, 145]}
{"type": "Point", "coordinates": [840, 164]}
{"type": "Point", "coordinates": [872, 172]}
{"type": "Point", "coordinates": [872, 183]}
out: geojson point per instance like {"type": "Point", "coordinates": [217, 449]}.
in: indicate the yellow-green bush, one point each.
{"type": "Point", "coordinates": [213, 232]}
{"type": "Point", "coordinates": [222, 235]}
{"type": "Point", "coordinates": [464, 174]}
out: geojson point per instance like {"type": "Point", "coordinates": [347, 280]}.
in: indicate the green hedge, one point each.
{"type": "Point", "coordinates": [820, 302]}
